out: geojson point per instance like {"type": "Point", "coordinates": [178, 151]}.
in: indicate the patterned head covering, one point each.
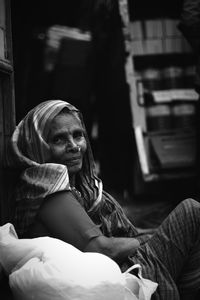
{"type": "Point", "coordinates": [39, 178]}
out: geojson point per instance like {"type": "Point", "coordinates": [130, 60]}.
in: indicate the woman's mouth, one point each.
{"type": "Point", "coordinates": [73, 160]}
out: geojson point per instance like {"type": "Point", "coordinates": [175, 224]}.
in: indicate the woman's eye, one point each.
{"type": "Point", "coordinates": [58, 140]}
{"type": "Point", "coordinates": [78, 134]}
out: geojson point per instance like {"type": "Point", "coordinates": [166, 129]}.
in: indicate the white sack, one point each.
{"type": "Point", "coordinates": [49, 269]}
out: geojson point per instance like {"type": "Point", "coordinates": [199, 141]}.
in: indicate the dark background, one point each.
{"type": "Point", "coordinates": [98, 86]}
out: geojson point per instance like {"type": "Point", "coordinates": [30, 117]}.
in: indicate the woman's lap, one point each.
{"type": "Point", "coordinates": [173, 253]}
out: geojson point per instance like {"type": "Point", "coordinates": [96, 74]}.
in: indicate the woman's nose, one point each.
{"type": "Point", "coordinates": [71, 145]}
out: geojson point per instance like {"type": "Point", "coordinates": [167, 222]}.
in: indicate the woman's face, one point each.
{"type": "Point", "coordinates": [67, 142]}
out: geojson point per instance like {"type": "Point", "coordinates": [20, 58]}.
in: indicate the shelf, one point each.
{"type": "Point", "coordinates": [166, 155]}
{"type": "Point", "coordinates": [143, 9]}
{"type": "Point", "coordinates": [176, 175]}
{"type": "Point", "coordinates": [167, 96]}
{"type": "Point", "coordinates": [176, 150]}
{"type": "Point", "coordinates": [160, 72]}
{"type": "Point", "coordinates": [162, 60]}
{"type": "Point", "coordinates": [159, 46]}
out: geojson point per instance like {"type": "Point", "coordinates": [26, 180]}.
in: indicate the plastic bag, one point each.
{"type": "Point", "coordinates": [137, 287]}
{"type": "Point", "coordinates": [49, 269]}
{"type": "Point", "coordinates": [10, 255]}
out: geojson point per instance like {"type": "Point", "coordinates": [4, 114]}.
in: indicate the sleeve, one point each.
{"type": "Point", "coordinates": [65, 218]}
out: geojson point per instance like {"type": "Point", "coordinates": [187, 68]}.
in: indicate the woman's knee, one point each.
{"type": "Point", "coordinates": [190, 211]}
{"type": "Point", "coordinates": [190, 204]}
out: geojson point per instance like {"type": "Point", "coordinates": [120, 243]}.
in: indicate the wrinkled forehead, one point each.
{"type": "Point", "coordinates": [47, 125]}
{"type": "Point", "coordinates": [41, 117]}
{"type": "Point", "coordinates": [64, 120]}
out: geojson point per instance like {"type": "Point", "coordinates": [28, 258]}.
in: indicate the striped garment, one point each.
{"type": "Point", "coordinates": [171, 257]}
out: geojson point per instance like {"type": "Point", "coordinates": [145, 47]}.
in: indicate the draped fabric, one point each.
{"type": "Point", "coordinates": [40, 178]}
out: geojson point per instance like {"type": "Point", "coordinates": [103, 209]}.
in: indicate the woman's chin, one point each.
{"type": "Point", "coordinates": [73, 169]}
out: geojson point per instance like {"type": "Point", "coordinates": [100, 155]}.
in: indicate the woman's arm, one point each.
{"type": "Point", "coordinates": [118, 248]}
{"type": "Point", "coordinates": [66, 219]}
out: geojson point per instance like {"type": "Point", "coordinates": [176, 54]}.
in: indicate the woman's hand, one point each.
{"type": "Point", "coordinates": [116, 248]}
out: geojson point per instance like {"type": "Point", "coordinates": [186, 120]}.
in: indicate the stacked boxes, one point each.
{"type": "Point", "coordinates": [158, 36]}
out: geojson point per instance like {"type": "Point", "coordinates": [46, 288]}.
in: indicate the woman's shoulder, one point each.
{"type": "Point", "coordinates": [61, 202]}
{"type": "Point", "coordinates": [55, 207]}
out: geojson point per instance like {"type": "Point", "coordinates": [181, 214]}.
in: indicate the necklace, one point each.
{"type": "Point", "coordinates": [76, 191]}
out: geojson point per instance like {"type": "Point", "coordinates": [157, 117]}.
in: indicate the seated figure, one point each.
{"type": "Point", "coordinates": [60, 195]}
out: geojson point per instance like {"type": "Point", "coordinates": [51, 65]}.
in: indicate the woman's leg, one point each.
{"type": "Point", "coordinates": [176, 244]}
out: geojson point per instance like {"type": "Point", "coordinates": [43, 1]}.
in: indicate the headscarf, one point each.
{"type": "Point", "coordinates": [39, 178]}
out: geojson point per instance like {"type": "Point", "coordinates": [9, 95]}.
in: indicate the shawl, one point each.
{"type": "Point", "coordinates": [39, 178]}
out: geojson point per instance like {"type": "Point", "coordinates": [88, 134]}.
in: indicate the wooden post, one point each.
{"type": "Point", "coordinates": [7, 109]}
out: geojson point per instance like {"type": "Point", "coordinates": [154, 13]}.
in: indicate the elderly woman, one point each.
{"type": "Point", "coordinates": [60, 195]}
